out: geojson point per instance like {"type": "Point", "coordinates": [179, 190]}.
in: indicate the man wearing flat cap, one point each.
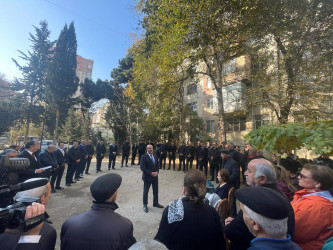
{"type": "Point", "coordinates": [100, 227]}
{"type": "Point", "coordinates": [265, 213]}
{"type": "Point", "coordinates": [260, 172]}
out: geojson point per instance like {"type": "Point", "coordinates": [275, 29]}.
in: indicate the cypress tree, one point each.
{"type": "Point", "coordinates": [62, 82]}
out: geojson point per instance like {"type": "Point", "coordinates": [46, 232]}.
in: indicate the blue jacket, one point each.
{"type": "Point", "coordinates": [273, 244]}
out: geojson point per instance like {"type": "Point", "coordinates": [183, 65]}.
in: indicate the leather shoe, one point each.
{"type": "Point", "coordinates": [158, 205]}
{"type": "Point", "coordinates": [73, 182]}
{"type": "Point", "coordinates": [53, 190]}
{"type": "Point", "coordinates": [59, 188]}
{"type": "Point", "coordinates": [145, 208]}
{"type": "Point", "coordinates": [68, 185]}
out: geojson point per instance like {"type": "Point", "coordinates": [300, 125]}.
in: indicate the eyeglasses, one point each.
{"type": "Point", "coordinates": [302, 176]}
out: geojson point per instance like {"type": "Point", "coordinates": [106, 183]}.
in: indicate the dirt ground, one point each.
{"type": "Point", "coordinates": [77, 199]}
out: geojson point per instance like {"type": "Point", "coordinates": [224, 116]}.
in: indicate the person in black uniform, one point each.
{"type": "Point", "coordinates": [163, 153]}
{"type": "Point", "coordinates": [197, 151]}
{"type": "Point", "coordinates": [203, 158]}
{"type": "Point", "coordinates": [100, 152]}
{"type": "Point", "coordinates": [84, 154]}
{"type": "Point", "coordinates": [134, 151]}
{"type": "Point", "coordinates": [90, 149]}
{"type": "Point", "coordinates": [181, 153]}
{"type": "Point", "coordinates": [141, 150]}
{"type": "Point", "coordinates": [61, 156]}
{"type": "Point", "coordinates": [189, 153]}
{"type": "Point", "coordinates": [125, 153]}
{"type": "Point", "coordinates": [150, 168]}
{"type": "Point", "coordinates": [113, 149]}
{"type": "Point", "coordinates": [172, 155]}
{"type": "Point", "coordinates": [74, 158]}
{"type": "Point", "coordinates": [215, 161]}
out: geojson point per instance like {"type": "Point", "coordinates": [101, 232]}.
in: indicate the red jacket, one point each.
{"type": "Point", "coordinates": [313, 217]}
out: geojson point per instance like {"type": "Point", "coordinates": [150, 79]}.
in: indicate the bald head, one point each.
{"type": "Point", "coordinates": [259, 172]}
{"type": "Point", "coordinates": [51, 148]}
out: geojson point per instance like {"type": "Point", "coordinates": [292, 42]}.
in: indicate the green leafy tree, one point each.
{"type": "Point", "coordinates": [315, 136]}
{"type": "Point", "coordinates": [291, 52]}
{"type": "Point", "coordinates": [62, 82]}
{"type": "Point", "coordinates": [202, 35]}
{"type": "Point", "coordinates": [32, 83]}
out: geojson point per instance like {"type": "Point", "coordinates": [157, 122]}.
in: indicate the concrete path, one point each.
{"type": "Point", "coordinates": [77, 199]}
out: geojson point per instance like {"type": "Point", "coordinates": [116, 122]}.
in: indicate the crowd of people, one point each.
{"type": "Point", "coordinates": [288, 203]}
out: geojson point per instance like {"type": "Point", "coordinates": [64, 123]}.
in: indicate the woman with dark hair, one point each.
{"type": "Point", "coordinates": [283, 182]}
{"type": "Point", "coordinates": [188, 223]}
{"type": "Point", "coordinates": [223, 188]}
{"type": "Point", "coordinates": [292, 167]}
{"type": "Point", "coordinates": [313, 207]}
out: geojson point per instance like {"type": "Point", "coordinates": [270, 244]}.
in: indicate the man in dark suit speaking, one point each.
{"type": "Point", "coordinates": [150, 166]}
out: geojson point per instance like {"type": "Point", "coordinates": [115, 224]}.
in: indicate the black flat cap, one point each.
{"type": "Point", "coordinates": [264, 201]}
{"type": "Point", "coordinates": [105, 186]}
{"type": "Point", "coordinates": [225, 151]}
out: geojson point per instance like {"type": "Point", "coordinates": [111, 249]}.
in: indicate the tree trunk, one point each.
{"type": "Point", "coordinates": [221, 116]}
{"type": "Point", "coordinates": [181, 113]}
{"type": "Point", "coordinates": [56, 125]}
{"type": "Point", "coordinates": [26, 135]}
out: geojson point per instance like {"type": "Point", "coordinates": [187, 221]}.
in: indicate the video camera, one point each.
{"type": "Point", "coordinates": [12, 212]}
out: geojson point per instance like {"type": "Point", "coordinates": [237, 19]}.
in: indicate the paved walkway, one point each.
{"type": "Point", "coordinates": [77, 199]}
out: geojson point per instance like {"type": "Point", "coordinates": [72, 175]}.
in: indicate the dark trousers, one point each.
{"type": "Point", "coordinates": [162, 162]}
{"type": "Point", "coordinates": [112, 161]}
{"type": "Point", "coordinates": [214, 169]}
{"type": "Point", "coordinates": [181, 161]}
{"type": "Point", "coordinates": [99, 163]}
{"type": "Point", "coordinates": [133, 158]}
{"type": "Point", "coordinates": [203, 165]}
{"type": "Point", "coordinates": [146, 186]}
{"type": "Point", "coordinates": [124, 157]}
{"type": "Point", "coordinates": [197, 166]}
{"type": "Point", "coordinates": [80, 168]}
{"type": "Point", "coordinates": [189, 160]}
{"type": "Point", "coordinates": [140, 155]}
{"type": "Point", "coordinates": [56, 176]}
{"type": "Point", "coordinates": [88, 164]}
{"type": "Point", "coordinates": [70, 172]}
{"type": "Point", "coordinates": [172, 158]}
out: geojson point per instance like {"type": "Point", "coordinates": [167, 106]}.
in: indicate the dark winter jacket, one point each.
{"type": "Point", "coordinates": [99, 228]}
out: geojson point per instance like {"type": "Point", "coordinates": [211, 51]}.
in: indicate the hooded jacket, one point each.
{"type": "Point", "coordinates": [313, 217]}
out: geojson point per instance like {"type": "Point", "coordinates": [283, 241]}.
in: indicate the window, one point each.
{"type": "Point", "coordinates": [211, 126]}
{"type": "Point", "coordinates": [209, 103]}
{"type": "Point", "coordinates": [209, 83]}
{"type": "Point", "coordinates": [191, 89]}
{"type": "Point", "coordinates": [236, 124]}
{"type": "Point", "coordinates": [229, 67]}
{"type": "Point", "coordinates": [193, 106]}
{"type": "Point", "coordinates": [260, 120]}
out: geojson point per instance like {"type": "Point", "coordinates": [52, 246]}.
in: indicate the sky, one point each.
{"type": "Point", "coordinates": [104, 29]}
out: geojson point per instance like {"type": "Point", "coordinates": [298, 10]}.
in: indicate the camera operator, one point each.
{"type": "Point", "coordinates": [34, 169]}
{"type": "Point", "coordinates": [44, 235]}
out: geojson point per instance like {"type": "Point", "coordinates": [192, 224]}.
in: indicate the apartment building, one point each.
{"type": "Point", "coordinates": [84, 68]}
{"type": "Point", "coordinates": [242, 117]}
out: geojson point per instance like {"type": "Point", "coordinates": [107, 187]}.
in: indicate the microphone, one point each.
{"type": "Point", "coordinates": [13, 189]}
